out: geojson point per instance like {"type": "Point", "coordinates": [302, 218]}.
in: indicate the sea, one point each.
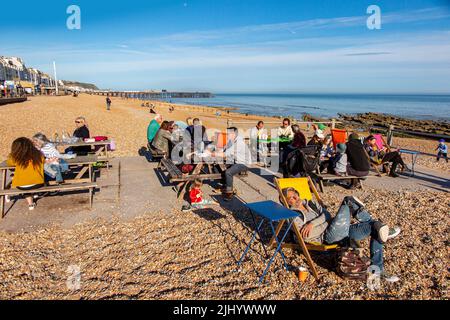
{"type": "Point", "coordinates": [421, 107]}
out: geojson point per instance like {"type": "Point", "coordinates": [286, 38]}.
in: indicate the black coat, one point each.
{"type": "Point", "coordinates": [356, 156]}
{"type": "Point", "coordinates": [82, 133]}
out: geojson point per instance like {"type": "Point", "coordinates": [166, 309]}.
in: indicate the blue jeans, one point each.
{"type": "Point", "coordinates": [55, 171]}
{"type": "Point", "coordinates": [340, 228]}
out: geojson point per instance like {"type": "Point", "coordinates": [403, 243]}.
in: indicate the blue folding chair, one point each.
{"type": "Point", "coordinates": [270, 212]}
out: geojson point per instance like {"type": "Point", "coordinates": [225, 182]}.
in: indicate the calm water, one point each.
{"type": "Point", "coordinates": [433, 107]}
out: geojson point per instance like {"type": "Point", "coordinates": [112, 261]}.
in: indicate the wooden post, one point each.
{"type": "Point", "coordinates": [390, 135]}
{"type": "Point", "coordinates": [333, 123]}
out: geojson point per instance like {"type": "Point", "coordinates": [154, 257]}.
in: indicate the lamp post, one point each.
{"type": "Point", "coordinates": [56, 79]}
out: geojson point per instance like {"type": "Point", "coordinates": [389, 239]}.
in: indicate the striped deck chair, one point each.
{"type": "Point", "coordinates": [381, 143]}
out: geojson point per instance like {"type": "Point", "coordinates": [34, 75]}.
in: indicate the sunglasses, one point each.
{"type": "Point", "coordinates": [78, 122]}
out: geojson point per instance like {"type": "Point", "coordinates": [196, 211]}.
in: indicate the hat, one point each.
{"type": "Point", "coordinates": [341, 147]}
{"type": "Point", "coordinates": [320, 135]}
{"type": "Point", "coordinates": [442, 140]}
{"type": "Point", "coordinates": [353, 136]}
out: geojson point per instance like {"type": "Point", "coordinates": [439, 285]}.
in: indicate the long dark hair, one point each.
{"type": "Point", "coordinates": [23, 151]}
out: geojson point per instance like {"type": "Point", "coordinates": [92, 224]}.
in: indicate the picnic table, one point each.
{"type": "Point", "coordinates": [102, 147]}
{"type": "Point", "coordinates": [76, 183]}
{"type": "Point", "coordinates": [203, 170]}
{"type": "Point", "coordinates": [275, 140]}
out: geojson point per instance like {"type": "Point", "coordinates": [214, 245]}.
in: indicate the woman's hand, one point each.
{"type": "Point", "coordinates": [306, 230]}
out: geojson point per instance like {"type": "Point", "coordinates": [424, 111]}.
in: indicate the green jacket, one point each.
{"type": "Point", "coordinates": [152, 129]}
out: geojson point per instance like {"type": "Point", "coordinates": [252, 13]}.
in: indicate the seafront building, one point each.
{"type": "Point", "coordinates": [16, 79]}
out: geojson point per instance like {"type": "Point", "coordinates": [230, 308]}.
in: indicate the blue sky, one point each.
{"type": "Point", "coordinates": [320, 46]}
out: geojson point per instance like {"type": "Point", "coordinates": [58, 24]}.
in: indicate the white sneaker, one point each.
{"type": "Point", "coordinates": [382, 230]}
{"type": "Point", "coordinates": [391, 278]}
{"type": "Point", "coordinates": [358, 201]}
{"type": "Point", "coordinates": [393, 232]}
{"type": "Point", "coordinates": [7, 199]}
{"type": "Point", "coordinates": [32, 206]}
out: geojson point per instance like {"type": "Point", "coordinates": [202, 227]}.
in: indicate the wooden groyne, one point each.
{"type": "Point", "coordinates": [4, 101]}
{"type": "Point", "coordinates": [145, 95]}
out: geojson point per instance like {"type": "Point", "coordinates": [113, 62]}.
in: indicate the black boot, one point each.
{"type": "Point", "coordinates": [393, 169]}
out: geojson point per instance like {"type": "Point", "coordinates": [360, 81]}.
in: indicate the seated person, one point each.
{"type": "Point", "coordinates": [81, 132]}
{"type": "Point", "coordinates": [285, 130]}
{"type": "Point", "coordinates": [316, 140]}
{"type": "Point", "coordinates": [319, 129]}
{"type": "Point", "coordinates": [378, 156]}
{"type": "Point", "coordinates": [299, 141]}
{"type": "Point", "coordinates": [326, 152]}
{"type": "Point", "coordinates": [55, 165]}
{"type": "Point", "coordinates": [357, 163]}
{"type": "Point", "coordinates": [162, 139]}
{"type": "Point", "coordinates": [316, 225]}
{"type": "Point", "coordinates": [29, 167]}
{"type": "Point", "coordinates": [197, 134]}
{"type": "Point", "coordinates": [237, 157]}
{"type": "Point", "coordinates": [153, 128]}
{"type": "Point", "coordinates": [196, 196]}
{"type": "Point", "coordinates": [338, 163]}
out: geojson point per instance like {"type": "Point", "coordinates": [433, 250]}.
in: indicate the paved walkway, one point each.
{"type": "Point", "coordinates": [132, 187]}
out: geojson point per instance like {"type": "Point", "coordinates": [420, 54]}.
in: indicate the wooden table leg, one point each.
{"type": "Point", "coordinates": [82, 172]}
{"type": "Point", "coordinates": [2, 198]}
{"type": "Point", "coordinates": [90, 173]}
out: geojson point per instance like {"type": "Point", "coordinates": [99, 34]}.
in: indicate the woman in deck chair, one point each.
{"type": "Point", "coordinates": [316, 225]}
{"type": "Point", "coordinates": [380, 156]}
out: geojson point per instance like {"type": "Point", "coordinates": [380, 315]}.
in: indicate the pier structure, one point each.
{"type": "Point", "coordinates": [151, 95]}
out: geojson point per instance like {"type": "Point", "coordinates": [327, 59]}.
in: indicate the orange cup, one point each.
{"type": "Point", "coordinates": [302, 274]}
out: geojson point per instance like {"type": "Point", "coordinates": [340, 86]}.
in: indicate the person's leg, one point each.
{"type": "Point", "coordinates": [361, 231]}
{"type": "Point", "coordinates": [339, 226]}
{"type": "Point", "coordinates": [64, 165]}
{"type": "Point", "coordinates": [58, 173]}
{"type": "Point", "coordinates": [29, 200]}
{"type": "Point", "coordinates": [438, 157]}
{"type": "Point", "coordinates": [230, 173]}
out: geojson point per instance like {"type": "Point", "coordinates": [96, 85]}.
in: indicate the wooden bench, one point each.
{"type": "Point", "coordinates": [202, 171]}
{"type": "Point", "coordinates": [55, 188]}
{"type": "Point", "coordinates": [321, 177]}
{"type": "Point", "coordinates": [175, 174]}
{"type": "Point", "coordinates": [156, 154]}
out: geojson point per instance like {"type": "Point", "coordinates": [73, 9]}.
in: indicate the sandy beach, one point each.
{"type": "Point", "coordinates": [174, 255]}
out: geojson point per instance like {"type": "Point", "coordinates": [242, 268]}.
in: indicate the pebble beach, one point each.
{"type": "Point", "coordinates": [193, 256]}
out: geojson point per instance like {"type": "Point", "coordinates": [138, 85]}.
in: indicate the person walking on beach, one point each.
{"type": "Point", "coordinates": [108, 103]}
{"type": "Point", "coordinates": [442, 150]}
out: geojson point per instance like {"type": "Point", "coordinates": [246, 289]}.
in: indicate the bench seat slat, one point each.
{"type": "Point", "coordinates": [69, 187]}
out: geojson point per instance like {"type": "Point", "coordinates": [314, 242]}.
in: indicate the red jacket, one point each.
{"type": "Point", "coordinates": [195, 195]}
